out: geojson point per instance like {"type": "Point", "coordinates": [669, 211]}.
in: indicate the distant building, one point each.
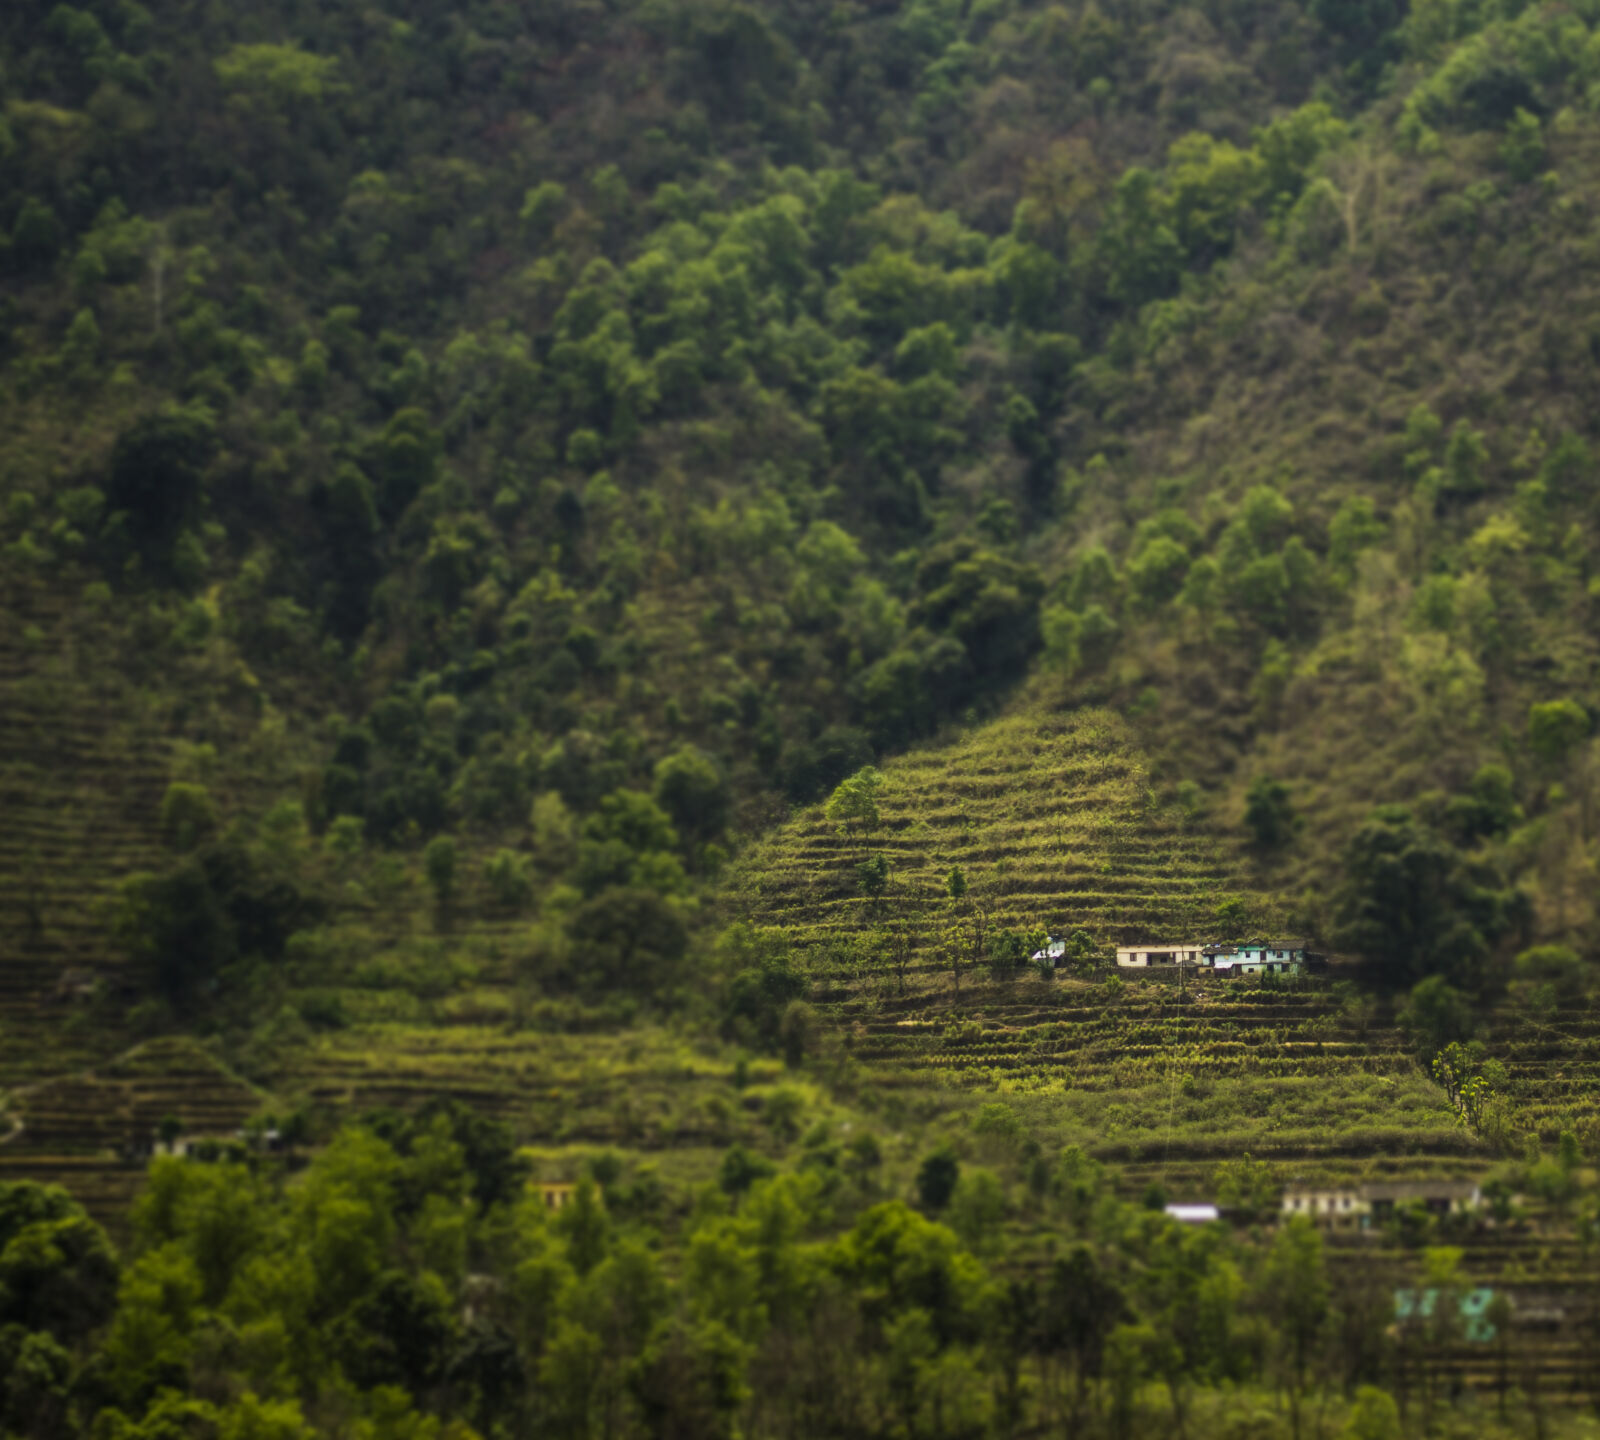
{"type": "Point", "coordinates": [1358, 1207]}
{"type": "Point", "coordinates": [1437, 1197]}
{"type": "Point", "coordinates": [1054, 952]}
{"type": "Point", "coordinates": [1159, 954]}
{"type": "Point", "coordinates": [556, 1195]}
{"type": "Point", "coordinates": [1194, 1214]}
{"type": "Point", "coordinates": [1261, 957]}
{"type": "Point", "coordinates": [1418, 1306]}
{"type": "Point", "coordinates": [1330, 1208]}
{"type": "Point", "coordinates": [1257, 957]}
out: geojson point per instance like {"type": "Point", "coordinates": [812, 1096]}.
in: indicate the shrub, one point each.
{"type": "Point", "coordinates": [1269, 814]}
{"type": "Point", "coordinates": [937, 1177]}
{"type": "Point", "coordinates": [187, 815]}
{"type": "Point", "coordinates": [506, 873]}
{"type": "Point", "coordinates": [692, 791]}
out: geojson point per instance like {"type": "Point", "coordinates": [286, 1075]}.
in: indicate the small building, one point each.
{"type": "Point", "coordinates": [1418, 1307]}
{"type": "Point", "coordinates": [1054, 952]}
{"type": "Point", "coordinates": [1160, 954]}
{"type": "Point", "coordinates": [1260, 957]}
{"type": "Point", "coordinates": [557, 1195]}
{"type": "Point", "coordinates": [1327, 1207]}
{"type": "Point", "coordinates": [1256, 957]}
{"type": "Point", "coordinates": [1193, 1214]}
{"type": "Point", "coordinates": [1437, 1197]}
{"type": "Point", "coordinates": [1359, 1207]}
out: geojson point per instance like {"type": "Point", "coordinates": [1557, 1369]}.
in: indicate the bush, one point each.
{"type": "Point", "coordinates": [1555, 728]}
{"type": "Point", "coordinates": [439, 862]}
{"type": "Point", "coordinates": [506, 873]}
{"type": "Point", "coordinates": [692, 791]}
{"type": "Point", "coordinates": [627, 940]}
{"type": "Point", "coordinates": [1438, 1013]}
{"type": "Point", "coordinates": [1557, 966]}
{"type": "Point", "coordinates": [156, 481]}
{"type": "Point", "coordinates": [187, 815]}
{"type": "Point", "coordinates": [937, 1177]}
{"type": "Point", "coordinates": [1269, 814]}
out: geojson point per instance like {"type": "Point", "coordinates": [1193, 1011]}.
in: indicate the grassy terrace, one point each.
{"type": "Point", "coordinates": [1049, 816]}
{"type": "Point", "coordinates": [1167, 1086]}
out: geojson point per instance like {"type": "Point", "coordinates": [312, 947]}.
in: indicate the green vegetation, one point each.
{"type": "Point", "coordinates": [586, 586]}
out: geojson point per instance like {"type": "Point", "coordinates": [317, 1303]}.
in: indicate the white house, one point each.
{"type": "Point", "coordinates": [1155, 954]}
{"type": "Point", "coordinates": [1330, 1207]}
{"type": "Point", "coordinates": [1193, 1214]}
{"type": "Point", "coordinates": [1359, 1207]}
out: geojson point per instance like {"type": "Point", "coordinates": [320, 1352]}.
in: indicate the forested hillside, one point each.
{"type": "Point", "coordinates": [477, 481]}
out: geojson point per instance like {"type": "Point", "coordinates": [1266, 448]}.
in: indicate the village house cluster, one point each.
{"type": "Point", "coordinates": [1356, 1207]}
{"type": "Point", "coordinates": [1255, 957]}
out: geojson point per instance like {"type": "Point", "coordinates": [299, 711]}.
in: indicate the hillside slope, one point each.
{"type": "Point", "coordinates": [1048, 815]}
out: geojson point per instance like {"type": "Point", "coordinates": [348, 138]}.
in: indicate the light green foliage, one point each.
{"type": "Point", "coordinates": [1465, 457]}
{"type": "Point", "coordinates": [977, 1210]}
{"type": "Point", "coordinates": [1355, 528]}
{"type": "Point", "coordinates": [1374, 1416]}
{"type": "Point", "coordinates": [282, 75]}
{"type": "Point", "coordinates": [1522, 151]}
{"type": "Point", "coordinates": [853, 806]}
{"type": "Point", "coordinates": [608, 464]}
{"type": "Point", "coordinates": [1557, 966]}
{"type": "Point", "coordinates": [1555, 727]}
{"type": "Point", "coordinates": [506, 873]}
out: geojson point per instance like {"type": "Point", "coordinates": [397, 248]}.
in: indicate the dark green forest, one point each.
{"type": "Point", "coordinates": [585, 582]}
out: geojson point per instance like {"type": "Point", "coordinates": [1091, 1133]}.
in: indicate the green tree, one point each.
{"type": "Point", "coordinates": [156, 490]}
{"type": "Point", "coordinates": [1374, 1416]}
{"type": "Point", "coordinates": [1414, 903]}
{"type": "Point", "coordinates": [187, 815]}
{"type": "Point", "coordinates": [872, 875]}
{"type": "Point", "coordinates": [439, 861]}
{"type": "Point", "coordinates": [1522, 150]}
{"type": "Point", "coordinates": [937, 1177]}
{"type": "Point", "coordinates": [1555, 728]}
{"type": "Point", "coordinates": [977, 1210]}
{"type": "Point", "coordinates": [1439, 1013]}
{"type": "Point", "coordinates": [506, 874]}
{"type": "Point", "coordinates": [692, 791]}
{"type": "Point", "coordinates": [627, 941]}
{"type": "Point", "coordinates": [1295, 1282]}
{"type": "Point", "coordinates": [690, 1380]}
{"type": "Point", "coordinates": [1269, 814]}
{"type": "Point", "coordinates": [58, 1273]}
{"type": "Point", "coordinates": [853, 806]}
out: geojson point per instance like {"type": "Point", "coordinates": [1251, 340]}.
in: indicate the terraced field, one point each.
{"type": "Point", "coordinates": [86, 756]}
{"type": "Point", "coordinates": [645, 1091]}
{"type": "Point", "coordinates": [81, 779]}
{"type": "Point", "coordinates": [1049, 816]}
{"type": "Point", "coordinates": [88, 1131]}
{"type": "Point", "coordinates": [1167, 1085]}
